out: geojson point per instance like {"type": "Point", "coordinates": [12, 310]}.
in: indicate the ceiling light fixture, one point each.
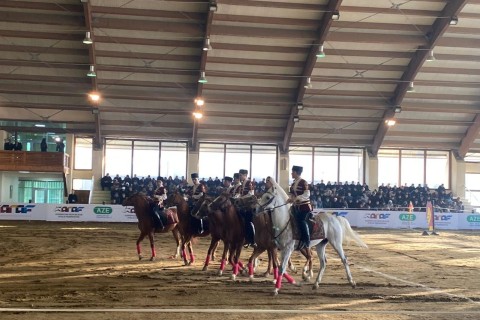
{"type": "Point", "coordinates": [88, 39]}
{"type": "Point", "coordinates": [335, 15]}
{"type": "Point", "coordinates": [213, 6]}
{"type": "Point", "coordinates": [202, 78]}
{"type": "Point", "coordinates": [320, 53]}
{"type": "Point", "coordinates": [39, 125]}
{"type": "Point", "coordinates": [430, 56]}
{"type": "Point", "coordinates": [206, 45]}
{"type": "Point", "coordinates": [390, 122]}
{"type": "Point", "coordinates": [199, 102]}
{"type": "Point", "coordinates": [308, 84]}
{"type": "Point", "coordinates": [197, 114]}
{"type": "Point", "coordinates": [94, 96]}
{"type": "Point", "coordinates": [299, 106]}
{"type": "Point", "coordinates": [454, 21]}
{"type": "Point", "coordinates": [397, 109]}
{"type": "Point", "coordinates": [410, 87]}
{"type": "Point", "coordinates": [91, 73]}
{"type": "Point", "coordinates": [296, 119]}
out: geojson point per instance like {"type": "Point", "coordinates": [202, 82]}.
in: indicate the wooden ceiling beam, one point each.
{"type": "Point", "coordinates": [321, 36]}
{"type": "Point", "coordinates": [132, 25]}
{"type": "Point", "coordinates": [470, 136]}
{"type": "Point", "coordinates": [74, 8]}
{"type": "Point", "coordinates": [42, 18]}
{"type": "Point", "coordinates": [163, 14]}
{"type": "Point", "coordinates": [451, 9]}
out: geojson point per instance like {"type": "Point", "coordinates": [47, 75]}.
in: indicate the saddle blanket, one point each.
{"type": "Point", "coordinates": [315, 225]}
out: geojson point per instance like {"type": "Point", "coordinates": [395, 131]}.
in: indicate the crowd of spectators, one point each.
{"type": "Point", "coordinates": [322, 195]}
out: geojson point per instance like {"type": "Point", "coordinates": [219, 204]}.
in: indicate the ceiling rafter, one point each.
{"type": "Point", "coordinates": [452, 8]}
{"type": "Point", "coordinates": [322, 31]}
{"type": "Point", "coordinates": [203, 63]}
{"type": "Point", "coordinates": [97, 140]}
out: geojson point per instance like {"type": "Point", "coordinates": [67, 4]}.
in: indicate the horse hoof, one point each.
{"type": "Point", "coordinates": [152, 258]}
{"type": "Point", "coordinates": [233, 277]}
{"type": "Point", "coordinates": [140, 257]}
{"type": "Point", "coordinates": [250, 278]}
{"type": "Point", "coordinates": [220, 272]}
{"type": "Point", "coordinates": [315, 286]}
{"type": "Point", "coordinates": [354, 285]}
{"type": "Point", "coordinates": [204, 268]}
{"type": "Point", "coordinates": [275, 292]}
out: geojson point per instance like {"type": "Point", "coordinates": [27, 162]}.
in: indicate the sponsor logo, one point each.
{"type": "Point", "coordinates": [128, 210]}
{"type": "Point", "coordinates": [443, 217]}
{"type": "Point", "coordinates": [377, 216]}
{"type": "Point", "coordinates": [407, 217]}
{"type": "Point", "coordinates": [68, 209]}
{"type": "Point", "coordinates": [103, 210]}
{"type": "Point", "coordinates": [16, 208]}
{"type": "Point", "coordinates": [473, 218]}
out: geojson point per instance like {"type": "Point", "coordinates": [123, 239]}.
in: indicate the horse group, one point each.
{"type": "Point", "coordinates": [275, 231]}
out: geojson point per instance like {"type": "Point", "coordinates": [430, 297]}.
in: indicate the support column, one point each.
{"type": "Point", "coordinates": [284, 172]}
{"type": "Point", "coordinates": [458, 170]}
{"type": "Point", "coordinates": [192, 164]}
{"type": "Point", "coordinates": [371, 171]}
{"type": "Point", "coordinates": [97, 168]}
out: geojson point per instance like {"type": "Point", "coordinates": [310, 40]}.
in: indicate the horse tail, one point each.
{"type": "Point", "coordinates": [350, 233]}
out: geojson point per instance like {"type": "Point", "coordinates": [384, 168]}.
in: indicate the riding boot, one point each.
{"type": "Point", "coordinates": [157, 219]}
{"type": "Point", "coordinates": [305, 237]}
{"type": "Point", "coordinates": [252, 231]}
{"type": "Point", "coordinates": [200, 226]}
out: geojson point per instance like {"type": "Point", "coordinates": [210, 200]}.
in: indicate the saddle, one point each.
{"type": "Point", "coordinates": [315, 225]}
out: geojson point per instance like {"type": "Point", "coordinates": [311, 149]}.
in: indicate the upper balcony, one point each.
{"type": "Point", "coordinates": [34, 161]}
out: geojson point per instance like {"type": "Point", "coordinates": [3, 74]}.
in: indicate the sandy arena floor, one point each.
{"type": "Point", "coordinates": [91, 271]}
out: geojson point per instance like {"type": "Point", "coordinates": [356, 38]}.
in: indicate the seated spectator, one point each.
{"type": "Point", "coordinates": [72, 197]}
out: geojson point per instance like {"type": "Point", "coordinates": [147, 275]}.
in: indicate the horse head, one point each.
{"type": "Point", "coordinates": [247, 203]}
{"type": "Point", "coordinates": [134, 199]}
{"type": "Point", "coordinates": [221, 202]}
{"type": "Point", "coordinates": [267, 201]}
{"type": "Point", "coordinates": [175, 199]}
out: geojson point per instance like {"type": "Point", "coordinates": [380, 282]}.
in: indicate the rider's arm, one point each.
{"type": "Point", "coordinates": [305, 196]}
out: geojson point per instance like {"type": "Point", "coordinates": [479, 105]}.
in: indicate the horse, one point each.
{"type": "Point", "coordinates": [146, 225]}
{"type": "Point", "coordinates": [334, 229]}
{"type": "Point", "coordinates": [188, 225]}
{"type": "Point", "coordinates": [229, 227]}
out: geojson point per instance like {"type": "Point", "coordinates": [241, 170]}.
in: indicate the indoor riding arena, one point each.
{"type": "Point", "coordinates": [347, 131]}
{"type": "Point", "coordinates": [91, 270]}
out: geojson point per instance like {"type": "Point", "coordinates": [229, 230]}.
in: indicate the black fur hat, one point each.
{"type": "Point", "coordinates": [243, 171]}
{"type": "Point", "coordinates": [228, 179]}
{"type": "Point", "coordinates": [236, 176]}
{"type": "Point", "coordinates": [297, 169]}
{"type": "Point", "coordinates": [194, 175]}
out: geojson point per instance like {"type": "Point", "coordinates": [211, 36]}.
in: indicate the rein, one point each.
{"type": "Point", "coordinates": [270, 211]}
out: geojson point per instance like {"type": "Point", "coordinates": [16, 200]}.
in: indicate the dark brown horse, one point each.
{"type": "Point", "coordinates": [188, 225]}
{"type": "Point", "coordinates": [229, 226]}
{"type": "Point", "coordinates": [146, 225]}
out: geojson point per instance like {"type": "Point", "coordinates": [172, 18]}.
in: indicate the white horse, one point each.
{"type": "Point", "coordinates": [335, 228]}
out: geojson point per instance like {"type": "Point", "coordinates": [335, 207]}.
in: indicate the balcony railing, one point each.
{"type": "Point", "coordinates": [34, 161]}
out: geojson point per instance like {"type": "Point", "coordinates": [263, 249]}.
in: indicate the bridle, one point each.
{"type": "Point", "coordinates": [270, 212]}
{"type": "Point", "coordinates": [263, 206]}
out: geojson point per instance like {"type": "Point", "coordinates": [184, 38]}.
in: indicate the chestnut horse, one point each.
{"type": "Point", "coordinates": [188, 225]}
{"type": "Point", "coordinates": [146, 225]}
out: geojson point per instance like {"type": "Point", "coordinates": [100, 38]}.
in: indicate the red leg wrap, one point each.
{"type": "Point", "coordinates": [222, 265]}
{"type": "Point", "coordinates": [250, 269]}
{"type": "Point", "coordinates": [278, 285]}
{"type": "Point", "coordinates": [207, 260]}
{"type": "Point", "coordinates": [289, 278]}
{"type": "Point", "coordinates": [139, 249]}
{"type": "Point", "coordinates": [275, 273]}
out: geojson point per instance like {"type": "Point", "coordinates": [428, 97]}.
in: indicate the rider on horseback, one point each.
{"type": "Point", "coordinates": [195, 192]}
{"type": "Point", "coordinates": [245, 189]}
{"type": "Point", "coordinates": [158, 209]}
{"type": "Point", "coordinates": [300, 197]}
{"type": "Point", "coordinates": [235, 186]}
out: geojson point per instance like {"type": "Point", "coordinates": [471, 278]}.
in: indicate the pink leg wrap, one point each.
{"type": "Point", "coordinates": [207, 260]}
{"type": "Point", "coordinates": [278, 285]}
{"type": "Point", "coordinates": [222, 265]}
{"type": "Point", "coordinates": [154, 254]}
{"type": "Point", "coordinates": [250, 269]}
{"type": "Point", "coordinates": [139, 249]}
{"type": "Point", "coordinates": [192, 258]}
{"type": "Point", "coordinates": [240, 264]}
{"type": "Point", "coordinates": [275, 273]}
{"type": "Point", "coordinates": [289, 278]}
{"type": "Point", "coordinates": [235, 269]}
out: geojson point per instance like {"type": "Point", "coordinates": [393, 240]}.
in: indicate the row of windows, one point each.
{"type": "Point", "coordinates": [395, 167]}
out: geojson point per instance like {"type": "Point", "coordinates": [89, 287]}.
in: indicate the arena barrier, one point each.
{"type": "Point", "coordinates": [118, 213]}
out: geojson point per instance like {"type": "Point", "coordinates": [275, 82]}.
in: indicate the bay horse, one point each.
{"type": "Point", "coordinates": [146, 224]}
{"type": "Point", "coordinates": [227, 225]}
{"type": "Point", "coordinates": [187, 226]}
{"type": "Point", "coordinates": [334, 228]}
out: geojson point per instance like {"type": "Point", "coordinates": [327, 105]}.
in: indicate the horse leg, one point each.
{"type": "Point", "coordinates": [337, 245]}
{"type": "Point", "coordinates": [251, 261]}
{"type": "Point", "coordinates": [307, 268]}
{"type": "Point", "coordinates": [152, 245]}
{"type": "Point", "coordinates": [177, 237]}
{"type": "Point", "coordinates": [184, 251]}
{"type": "Point", "coordinates": [270, 263]}
{"type": "Point", "coordinates": [224, 258]}
{"type": "Point", "coordinates": [291, 266]}
{"type": "Point", "coordinates": [139, 247]}
{"type": "Point", "coordinates": [190, 251]}
{"type": "Point", "coordinates": [237, 263]}
{"type": "Point", "coordinates": [286, 253]}
{"type": "Point", "coordinates": [213, 245]}
{"type": "Point", "coordinates": [323, 261]}
{"type": "Point", "coordinates": [214, 250]}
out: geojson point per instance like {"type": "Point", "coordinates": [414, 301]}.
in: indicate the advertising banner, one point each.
{"type": "Point", "coordinates": [23, 211]}
{"type": "Point", "coordinates": [349, 215]}
{"type": "Point", "coordinates": [91, 212]}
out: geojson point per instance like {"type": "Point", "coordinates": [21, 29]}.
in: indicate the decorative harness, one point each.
{"type": "Point", "coordinates": [270, 211]}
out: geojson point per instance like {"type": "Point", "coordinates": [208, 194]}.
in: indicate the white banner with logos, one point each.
{"type": "Point", "coordinates": [118, 213]}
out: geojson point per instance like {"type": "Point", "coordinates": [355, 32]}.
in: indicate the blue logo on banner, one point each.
{"type": "Point", "coordinates": [68, 209]}
{"type": "Point", "coordinates": [16, 208]}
